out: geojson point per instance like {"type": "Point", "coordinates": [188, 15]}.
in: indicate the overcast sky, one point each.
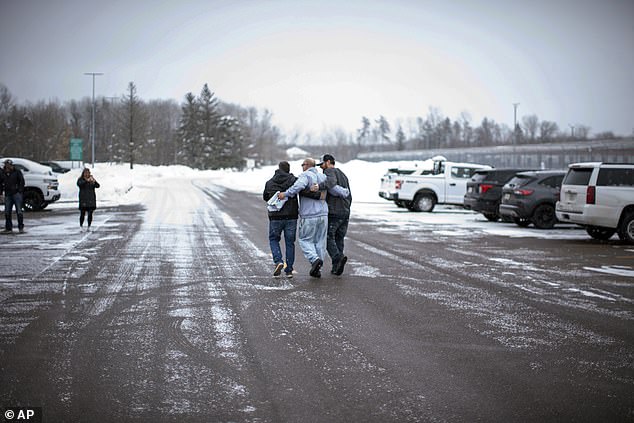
{"type": "Point", "coordinates": [320, 64]}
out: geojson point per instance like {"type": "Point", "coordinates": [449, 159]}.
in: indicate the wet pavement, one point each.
{"type": "Point", "coordinates": [168, 312]}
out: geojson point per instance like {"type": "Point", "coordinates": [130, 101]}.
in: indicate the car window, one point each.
{"type": "Point", "coordinates": [616, 178]}
{"type": "Point", "coordinates": [552, 181]}
{"type": "Point", "coordinates": [578, 176]}
{"type": "Point", "coordinates": [21, 167]}
{"type": "Point", "coordinates": [519, 180]}
{"type": "Point", "coordinates": [462, 172]}
{"type": "Point", "coordinates": [439, 168]}
{"type": "Point", "coordinates": [502, 176]}
{"type": "Point", "coordinates": [479, 176]}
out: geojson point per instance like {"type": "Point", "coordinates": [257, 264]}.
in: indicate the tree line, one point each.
{"type": "Point", "coordinates": [437, 131]}
{"type": "Point", "coordinates": [205, 133]}
{"type": "Point", "coordinates": [202, 132]}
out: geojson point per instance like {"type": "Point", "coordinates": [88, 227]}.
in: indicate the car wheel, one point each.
{"type": "Point", "coordinates": [33, 201]}
{"type": "Point", "coordinates": [521, 222]}
{"type": "Point", "coordinates": [491, 217]}
{"type": "Point", "coordinates": [597, 232]}
{"type": "Point", "coordinates": [544, 216]}
{"type": "Point", "coordinates": [424, 203]}
{"type": "Point", "coordinates": [626, 229]}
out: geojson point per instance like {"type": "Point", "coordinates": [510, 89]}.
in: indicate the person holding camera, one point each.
{"type": "Point", "coordinates": [87, 196]}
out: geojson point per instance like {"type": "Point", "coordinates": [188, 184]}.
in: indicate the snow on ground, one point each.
{"type": "Point", "coordinates": [122, 185]}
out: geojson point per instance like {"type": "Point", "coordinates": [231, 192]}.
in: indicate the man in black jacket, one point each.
{"type": "Point", "coordinates": [12, 182]}
{"type": "Point", "coordinates": [338, 213]}
{"type": "Point", "coordinates": [283, 220]}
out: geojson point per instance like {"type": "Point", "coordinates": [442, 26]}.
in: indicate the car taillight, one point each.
{"type": "Point", "coordinates": [485, 187]}
{"type": "Point", "coordinates": [523, 192]}
{"type": "Point", "coordinates": [397, 184]}
{"type": "Point", "coordinates": [591, 195]}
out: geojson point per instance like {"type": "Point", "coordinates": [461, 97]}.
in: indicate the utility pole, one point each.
{"type": "Point", "coordinates": [92, 127]}
{"type": "Point", "coordinates": [572, 131]}
{"type": "Point", "coordinates": [515, 140]}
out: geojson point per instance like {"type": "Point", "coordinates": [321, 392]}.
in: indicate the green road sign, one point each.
{"type": "Point", "coordinates": [76, 149]}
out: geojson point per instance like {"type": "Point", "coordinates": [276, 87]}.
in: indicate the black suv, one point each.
{"type": "Point", "coordinates": [484, 191]}
{"type": "Point", "coordinates": [57, 168]}
{"type": "Point", "coordinates": [530, 197]}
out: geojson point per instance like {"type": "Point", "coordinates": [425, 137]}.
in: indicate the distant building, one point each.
{"type": "Point", "coordinates": [296, 153]}
{"type": "Point", "coordinates": [537, 156]}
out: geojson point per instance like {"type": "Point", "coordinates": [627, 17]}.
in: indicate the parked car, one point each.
{"type": "Point", "coordinates": [484, 191]}
{"type": "Point", "coordinates": [420, 192]}
{"type": "Point", "coordinates": [40, 183]}
{"type": "Point", "coordinates": [57, 168]}
{"type": "Point", "coordinates": [530, 197]}
{"type": "Point", "coordinates": [599, 196]}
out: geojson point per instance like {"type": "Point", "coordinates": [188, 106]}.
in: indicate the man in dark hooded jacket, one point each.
{"type": "Point", "coordinates": [12, 182]}
{"type": "Point", "coordinates": [282, 221]}
{"type": "Point", "coordinates": [338, 213]}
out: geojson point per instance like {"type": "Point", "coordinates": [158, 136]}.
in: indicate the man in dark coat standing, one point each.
{"type": "Point", "coordinates": [12, 182]}
{"type": "Point", "coordinates": [338, 213]}
{"type": "Point", "coordinates": [283, 220]}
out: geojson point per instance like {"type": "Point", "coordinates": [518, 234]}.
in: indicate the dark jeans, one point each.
{"type": "Point", "coordinates": [289, 228]}
{"type": "Point", "coordinates": [9, 202]}
{"type": "Point", "coordinates": [337, 228]}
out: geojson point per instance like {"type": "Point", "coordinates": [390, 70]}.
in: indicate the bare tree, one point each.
{"type": "Point", "coordinates": [363, 133]}
{"type": "Point", "coordinates": [582, 132]}
{"type": "Point", "coordinates": [163, 117]}
{"type": "Point", "coordinates": [50, 131]}
{"type": "Point", "coordinates": [547, 130]}
{"type": "Point", "coordinates": [530, 124]}
{"type": "Point", "coordinates": [6, 106]}
{"type": "Point", "coordinates": [467, 130]}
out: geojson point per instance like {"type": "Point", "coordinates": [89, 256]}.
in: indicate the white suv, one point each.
{"type": "Point", "coordinates": [599, 196]}
{"type": "Point", "coordinates": [40, 183]}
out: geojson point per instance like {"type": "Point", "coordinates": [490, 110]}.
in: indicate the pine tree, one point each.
{"type": "Point", "coordinates": [189, 132]}
{"type": "Point", "coordinates": [133, 125]}
{"type": "Point", "coordinates": [400, 139]}
{"type": "Point", "coordinates": [384, 129]}
{"type": "Point", "coordinates": [364, 132]}
{"type": "Point", "coordinates": [210, 142]}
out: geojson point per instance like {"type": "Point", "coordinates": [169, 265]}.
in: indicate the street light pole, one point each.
{"type": "Point", "coordinates": [92, 127]}
{"type": "Point", "coordinates": [515, 122]}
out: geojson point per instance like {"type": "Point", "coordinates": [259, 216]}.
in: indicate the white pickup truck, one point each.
{"type": "Point", "coordinates": [40, 183]}
{"type": "Point", "coordinates": [421, 190]}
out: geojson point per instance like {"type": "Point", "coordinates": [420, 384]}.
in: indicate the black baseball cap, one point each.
{"type": "Point", "coordinates": [326, 158]}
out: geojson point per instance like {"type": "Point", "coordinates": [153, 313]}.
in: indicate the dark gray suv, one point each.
{"type": "Point", "coordinates": [530, 197]}
{"type": "Point", "coordinates": [484, 190]}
